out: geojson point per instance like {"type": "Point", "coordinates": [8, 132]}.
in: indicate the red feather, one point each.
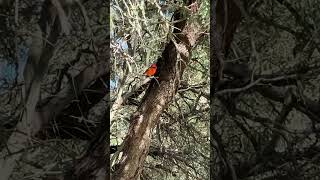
{"type": "Point", "coordinates": [151, 71]}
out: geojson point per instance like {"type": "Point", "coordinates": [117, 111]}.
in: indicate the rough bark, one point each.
{"type": "Point", "coordinates": [156, 99]}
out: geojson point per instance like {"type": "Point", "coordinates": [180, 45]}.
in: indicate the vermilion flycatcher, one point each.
{"type": "Point", "coordinates": [151, 71]}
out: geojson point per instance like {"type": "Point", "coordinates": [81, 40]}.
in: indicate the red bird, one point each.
{"type": "Point", "coordinates": [151, 71]}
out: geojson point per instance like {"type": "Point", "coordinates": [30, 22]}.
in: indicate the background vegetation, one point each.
{"type": "Point", "coordinates": [53, 76]}
{"type": "Point", "coordinates": [266, 108]}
